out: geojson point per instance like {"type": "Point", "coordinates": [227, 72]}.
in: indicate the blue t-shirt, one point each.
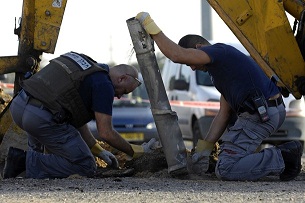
{"type": "Point", "coordinates": [236, 75]}
{"type": "Point", "coordinates": [97, 92]}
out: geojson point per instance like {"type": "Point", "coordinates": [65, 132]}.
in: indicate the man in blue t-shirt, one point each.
{"type": "Point", "coordinates": [245, 92]}
{"type": "Point", "coordinates": [51, 108]}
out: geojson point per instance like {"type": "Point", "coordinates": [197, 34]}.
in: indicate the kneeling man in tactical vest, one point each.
{"type": "Point", "coordinates": [54, 107]}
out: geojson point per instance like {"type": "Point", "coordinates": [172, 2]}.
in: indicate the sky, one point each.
{"type": "Point", "coordinates": [98, 28]}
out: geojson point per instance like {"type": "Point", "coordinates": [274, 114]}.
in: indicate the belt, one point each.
{"type": "Point", "coordinates": [275, 102]}
{"type": "Point", "coordinates": [271, 103]}
{"type": "Point", "coordinates": [32, 101]}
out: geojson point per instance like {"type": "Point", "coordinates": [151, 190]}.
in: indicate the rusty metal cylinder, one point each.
{"type": "Point", "coordinates": [166, 120]}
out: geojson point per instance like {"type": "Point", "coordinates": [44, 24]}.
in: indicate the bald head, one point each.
{"type": "Point", "coordinates": [124, 78]}
{"type": "Point", "coordinates": [124, 69]}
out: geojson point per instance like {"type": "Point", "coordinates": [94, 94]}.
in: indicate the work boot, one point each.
{"type": "Point", "coordinates": [292, 153]}
{"type": "Point", "coordinates": [15, 163]}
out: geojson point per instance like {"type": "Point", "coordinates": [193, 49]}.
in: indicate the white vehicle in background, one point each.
{"type": "Point", "coordinates": [192, 96]}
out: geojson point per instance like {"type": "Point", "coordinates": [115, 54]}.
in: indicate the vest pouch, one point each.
{"type": "Point", "coordinates": [62, 116]}
{"type": "Point", "coordinates": [75, 110]}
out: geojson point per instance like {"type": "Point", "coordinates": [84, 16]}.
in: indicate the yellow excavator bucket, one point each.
{"type": "Point", "coordinates": [264, 30]}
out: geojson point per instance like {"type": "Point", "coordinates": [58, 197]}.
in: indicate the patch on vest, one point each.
{"type": "Point", "coordinates": [82, 62]}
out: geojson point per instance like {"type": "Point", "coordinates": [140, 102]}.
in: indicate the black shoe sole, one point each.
{"type": "Point", "coordinates": [291, 173]}
{"type": "Point", "coordinates": [15, 163]}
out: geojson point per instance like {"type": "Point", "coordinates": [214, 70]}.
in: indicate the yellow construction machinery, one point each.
{"type": "Point", "coordinates": [265, 31]}
{"type": "Point", "coordinates": [37, 34]}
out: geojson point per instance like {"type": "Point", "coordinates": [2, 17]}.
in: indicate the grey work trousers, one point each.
{"type": "Point", "coordinates": [67, 152]}
{"type": "Point", "coordinates": [238, 159]}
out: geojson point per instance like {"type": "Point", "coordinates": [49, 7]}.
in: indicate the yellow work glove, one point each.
{"type": "Point", "coordinates": [107, 156]}
{"type": "Point", "coordinates": [201, 157]}
{"type": "Point", "coordinates": [204, 145]}
{"type": "Point", "coordinates": [139, 150]}
{"type": "Point", "coordinates": [148, 24]}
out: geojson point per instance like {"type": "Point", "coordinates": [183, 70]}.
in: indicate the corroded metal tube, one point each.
{"type": "Point", "coordinates": [166, 120]}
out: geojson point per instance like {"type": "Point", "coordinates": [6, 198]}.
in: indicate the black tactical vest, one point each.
{"type": "Point", "coordinates": [56, 86]}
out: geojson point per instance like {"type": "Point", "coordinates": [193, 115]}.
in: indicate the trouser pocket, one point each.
{"type": "Point", "coordinates": [243, 137]}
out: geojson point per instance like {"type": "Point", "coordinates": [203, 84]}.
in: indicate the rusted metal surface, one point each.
{"type": "Point", "coordinates": [48, 19]}
{"type": "Point", "coordinates": [5, 117]}
{"type": "Point", "coordinates": [11, 64]}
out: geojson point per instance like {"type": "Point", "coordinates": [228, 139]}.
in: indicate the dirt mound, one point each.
{"type": "Point", "coordinates": [149, 165]}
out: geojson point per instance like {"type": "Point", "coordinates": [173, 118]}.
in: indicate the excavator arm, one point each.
{"type": "Point", "coordinates": [265, 31]}
{"type": "Point", "coordinates": [37, 33]}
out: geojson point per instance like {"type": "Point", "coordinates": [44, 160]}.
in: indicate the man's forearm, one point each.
{"type": "Point", "coordinates": [170, 49]}
{"type": "Point", "coordinates": [116, 141]}
{"type": "Point", "coordinates": [216, 130]}
{"type": "Point", "coordinates": [87, 136]}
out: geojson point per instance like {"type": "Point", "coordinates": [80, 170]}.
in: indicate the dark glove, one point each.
{"type": "Point", "coordinates": [200, 158]}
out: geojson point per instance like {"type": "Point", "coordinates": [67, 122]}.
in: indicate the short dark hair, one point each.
{"type": "Point", "coordinates": [190, 41]}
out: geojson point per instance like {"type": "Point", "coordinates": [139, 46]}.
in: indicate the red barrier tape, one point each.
{"type": "Point", "coordinates": [190, 104]}
{"type": "Point", "coordinates": [6, 85]}
{"type": "Point", "coordinates": [206, 105]}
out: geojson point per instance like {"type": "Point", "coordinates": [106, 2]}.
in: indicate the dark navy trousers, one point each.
{"type": "Point", "coordinates": [67, 153]}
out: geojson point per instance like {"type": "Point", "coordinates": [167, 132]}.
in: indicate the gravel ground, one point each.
{"type": "Point", "coordinates": [152, 187]}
